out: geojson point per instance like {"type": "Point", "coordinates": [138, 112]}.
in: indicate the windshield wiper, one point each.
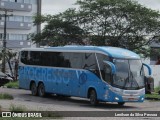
{"type": "Point", "coordinates": [126, 82]}
{"type": "Point", "coordinates": [133, 80]}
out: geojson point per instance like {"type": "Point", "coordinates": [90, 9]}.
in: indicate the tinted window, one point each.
{"type": "Point", "coordinates": [63, 59]}
{"type": "Point", "coordinates": [35, 58]}
{"type": "Point", "coordinates": [90, 61]}
{"type": "Point", "coordinates": [53, 59]}
{"type": "Point", "coordinates": [24, 55]}
{"type": "Point", "coordinates": [104, 68]}
{"type": "Point", "coordinates": [76, 60]}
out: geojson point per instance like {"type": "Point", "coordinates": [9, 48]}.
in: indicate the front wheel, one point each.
{"type": "Point", "coordinates": [33, 89]}
{"type": "Point", "coordinates": [41, 90]}
{"type": "Point", "coordinates": [93, 97]}
{"type": "Point", "coordinates": [121, 103]}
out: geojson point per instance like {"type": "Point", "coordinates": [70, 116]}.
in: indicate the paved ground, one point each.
{"type": "Point", "coordinates": [54, 103]}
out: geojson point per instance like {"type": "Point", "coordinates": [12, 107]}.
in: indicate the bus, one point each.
{"type": "Point", "coordinates": [101, 74]}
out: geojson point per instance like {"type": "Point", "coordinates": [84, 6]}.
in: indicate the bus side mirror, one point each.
{"type": "Point", "coordinates": [112, 66]}
{"type": "Point", "coordinates": [149, 68]}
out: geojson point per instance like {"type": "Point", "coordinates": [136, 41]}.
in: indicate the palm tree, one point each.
{"type": "Point", "coordinates": [9, 56]}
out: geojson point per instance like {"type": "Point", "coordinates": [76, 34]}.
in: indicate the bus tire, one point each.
{"type": "Point", "coordinates": [41, 90]}
{"type": "Point", "coordinates": [121, 103]}
{"type": "Point", "coordinates": [33, 89]}
{"type": "Point", "coordinates": [93, 97]}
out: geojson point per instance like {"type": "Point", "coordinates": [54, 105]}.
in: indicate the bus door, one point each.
{"type": "Point", "coordinates": [82, 79]}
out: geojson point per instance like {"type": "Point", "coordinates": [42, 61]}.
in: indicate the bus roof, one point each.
{"type": "Point", "coordinates": [114, 52]}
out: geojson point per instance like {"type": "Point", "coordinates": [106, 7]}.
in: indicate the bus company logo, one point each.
{"type": "Point", "coordinates": [82, 78]}
{"type": "Point", "coordinates": [6, 114]}
{"type": "Point", "coordinates": [21, 114]}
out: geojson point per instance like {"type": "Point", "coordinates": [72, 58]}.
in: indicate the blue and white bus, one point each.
{"type": "Point", "coordinates": [107, 74]}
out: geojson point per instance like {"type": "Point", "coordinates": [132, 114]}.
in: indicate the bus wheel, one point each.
{"type": "Point", "coordinates": [33, 89]}
{"type": "Point", "coordinates": [93, 97]}
{"type": "Point", "coordinates": [41, 90]}
{"type": "Point", "coordinates": [121, 103]}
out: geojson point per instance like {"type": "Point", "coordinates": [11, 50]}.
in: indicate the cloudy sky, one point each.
{"type": "Point", "coordinates": [56, 6]}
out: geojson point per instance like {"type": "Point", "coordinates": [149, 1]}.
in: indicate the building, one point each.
{"type": "Point", "coordinates": [19, 22]}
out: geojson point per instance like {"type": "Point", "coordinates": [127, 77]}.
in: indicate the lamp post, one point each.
{"type": "Point", "coordinates": [4, 39]}
{"type": "Point", "coordinates": [4, 43]}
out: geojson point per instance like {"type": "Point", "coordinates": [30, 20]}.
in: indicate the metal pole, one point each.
{"type": "Point", "coordinates": [4, 43]}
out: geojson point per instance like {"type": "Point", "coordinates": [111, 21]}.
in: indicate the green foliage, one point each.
{"type": "Point", "coordinates": [6, 96]}
{"type": "Point", "coordinates": [14, 108]}
{"type": "Point", "coordinates": [9, 54]}
{"type": "Point", "coordinates": [58, 31]}
{"type": "Point", "coordinates": [157, 89]}
{"type": "Point", "coordinates": [38, 19]}
{"type": "Point", "coordinates": [156, 96]}
{"type": "Point", "coordinates": [119, 23]}
{"type": "Point", "coordinates": [14, 84]}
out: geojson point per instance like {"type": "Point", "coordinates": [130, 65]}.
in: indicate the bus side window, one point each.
{"type": "Point", "coordinates": [66, 62]}
{"type": "Point", "coordinates": [106, 76]}
{"type": "Point", "coordinates": [90, 63]}
{"type": "Point", "coordinates": [24, 55]}
{"type": "Point", "coordinates": [34, 58]}
{"type": "Point", "coordinates": [76, 60]}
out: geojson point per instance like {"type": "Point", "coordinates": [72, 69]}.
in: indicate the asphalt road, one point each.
{"type": "Point", "coordinates": [54, 103]}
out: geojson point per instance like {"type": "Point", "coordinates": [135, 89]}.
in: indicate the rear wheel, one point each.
{"type": "Point", "coordinates": [41, 90]}
{"type": "Point", "coordinates": [33, 89]}
{"type": "Point", "coordinates": [121, 103]}
{"type": "Point", "coordinates": [93, 97]}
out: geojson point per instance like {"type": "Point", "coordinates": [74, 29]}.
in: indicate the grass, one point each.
{"type": "Point", "coordinates": [14, 84]}
{"type": "Point", "coordinates": [154, 96]}
{"type": "Point", "coordinates": [6, 96]}
{"type": "Point", "coordinates": [157, 89]}
{"type": "Point", "coordinates": [14, 108]}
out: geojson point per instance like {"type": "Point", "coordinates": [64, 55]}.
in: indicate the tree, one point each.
{"type": "Point", "coordinates": [119, 23]}
{"type": "Point", "coordinates": [58, 31]}
{"type": "Point", "coordinates": [9, 55]}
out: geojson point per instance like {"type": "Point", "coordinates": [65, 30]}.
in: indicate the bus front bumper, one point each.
{"type": "Point", "coordinates": [119, 95]}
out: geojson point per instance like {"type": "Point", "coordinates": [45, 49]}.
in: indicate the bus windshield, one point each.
{"type": "Point", "coordinates": [129, 74]}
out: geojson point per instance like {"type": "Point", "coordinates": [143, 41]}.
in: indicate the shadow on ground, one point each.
{"type": "Point", "coordinates": [75, 101]}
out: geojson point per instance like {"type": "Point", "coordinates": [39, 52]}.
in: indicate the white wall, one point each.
{"type": "Point", "coordinates": [155, 72]}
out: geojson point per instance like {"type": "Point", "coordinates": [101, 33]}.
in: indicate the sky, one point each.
{"type": "Point", "coordinates": [57, 6]}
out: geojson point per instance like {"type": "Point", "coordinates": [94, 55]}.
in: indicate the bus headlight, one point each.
{"type": "Point", "coordinates": [116, 90]}
{"type": "Point", "coordinates": [116, 98]}
{"type": "Point", "coordinates": [142, 98]}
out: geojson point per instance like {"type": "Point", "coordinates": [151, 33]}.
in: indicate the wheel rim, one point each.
{"type": "Point", "coordinates": [34, 89]}
{"type": "Point", "coordinates": [93, 98]}
{"type": "Point", "coordinates": [41, 90]}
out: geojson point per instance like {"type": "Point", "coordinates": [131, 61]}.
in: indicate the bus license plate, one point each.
{"type": "Point", "coordinates": [131, 99]}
